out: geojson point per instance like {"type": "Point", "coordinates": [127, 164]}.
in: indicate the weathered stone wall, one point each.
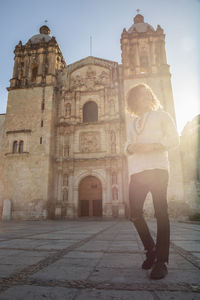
{"type": "Point", "coordinates": [28, 171]}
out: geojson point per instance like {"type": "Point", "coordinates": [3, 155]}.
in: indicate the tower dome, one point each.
{"type": "Point", "coordinates": [42, 36]}
{"type": "Point", "coordinates": [139, 25]}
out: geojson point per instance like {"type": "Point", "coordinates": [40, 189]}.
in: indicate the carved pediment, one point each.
{"type": "Point", "coordinates": [90, 78]}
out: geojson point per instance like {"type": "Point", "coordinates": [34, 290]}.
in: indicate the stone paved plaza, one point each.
{"type": "Point", "coordinates": [95, 259]}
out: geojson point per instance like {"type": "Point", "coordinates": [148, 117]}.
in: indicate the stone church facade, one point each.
{"type": "Point", "coordinates": [62, 137]}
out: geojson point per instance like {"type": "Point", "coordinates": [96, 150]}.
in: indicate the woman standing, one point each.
{"type": "Point", "coordinates": [150, 136]}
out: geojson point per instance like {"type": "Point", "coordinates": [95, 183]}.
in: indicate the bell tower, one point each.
{"type": "Point", "coordinates": [144, 60]}
{"type": "Point", "coordinates": [37, 62]}
{"type": "Point", "coordinates": [28, 137]}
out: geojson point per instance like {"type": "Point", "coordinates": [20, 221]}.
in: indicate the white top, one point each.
{"type": "Point", "coordinates": [153, 127]}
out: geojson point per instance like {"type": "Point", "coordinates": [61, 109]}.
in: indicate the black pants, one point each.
{"type": "Point", "coordinates": [154, 181]}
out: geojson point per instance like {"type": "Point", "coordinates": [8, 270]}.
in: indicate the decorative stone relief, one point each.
{"type": "Point", "coordinates": [91, 80]}
{"type": "Point", "coordinates": [90, 141]}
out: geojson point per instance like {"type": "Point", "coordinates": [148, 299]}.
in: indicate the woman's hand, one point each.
{"type": "Point", "coordinates": [139, 147]}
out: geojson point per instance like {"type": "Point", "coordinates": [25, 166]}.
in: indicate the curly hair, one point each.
{"type": "Point", "coordinates": [133, 99]}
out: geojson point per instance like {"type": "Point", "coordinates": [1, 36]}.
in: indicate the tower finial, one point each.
{"type": "Point", "coordinates": [138, 10]}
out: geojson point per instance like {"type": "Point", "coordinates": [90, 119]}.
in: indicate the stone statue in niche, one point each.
{"type": "Point", "coordinates": [90, 141]}
{"type": "Point", "coordinates": [68, 110]}
{"type": "Point", "coordinates": [66, 150]}
{"type": "Point", "coordinates": [114, 194]}
{"type": "Point", "coordinates": [65, 195]}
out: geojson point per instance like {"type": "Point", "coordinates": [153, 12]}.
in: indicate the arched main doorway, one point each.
{"type": "Point", "coordinates": [90, 197]}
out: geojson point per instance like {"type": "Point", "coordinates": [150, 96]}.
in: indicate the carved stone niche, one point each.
{"type": "Point", "coordinates": [90, 141]}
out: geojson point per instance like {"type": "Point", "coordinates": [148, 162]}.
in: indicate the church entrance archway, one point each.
{"type": "Point", "coordinates": [90, 197]}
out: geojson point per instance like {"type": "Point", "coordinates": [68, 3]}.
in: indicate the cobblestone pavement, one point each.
{"type": "Point", "coordinates": [93, 260]}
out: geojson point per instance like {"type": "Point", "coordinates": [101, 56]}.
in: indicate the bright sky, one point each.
{"type": "Point", "coordinates": [72, 22]}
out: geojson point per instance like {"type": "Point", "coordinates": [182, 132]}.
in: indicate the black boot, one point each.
{"type": "Point", "coordinates": [159, 270]}
{"type": "Point", "coordinates": [150, 259]}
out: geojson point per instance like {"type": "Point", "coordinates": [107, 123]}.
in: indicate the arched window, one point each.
{"type": "Point", "coordinates": [21, 146]}
{"type": "Point", "coordinates": [34, 73]}
{"type": "Point", "coordinates": [115, 194]}
{"type": "Point", "coordinates": [90, 112]}
{"type": "Point", "coordinates": [15, 146]}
